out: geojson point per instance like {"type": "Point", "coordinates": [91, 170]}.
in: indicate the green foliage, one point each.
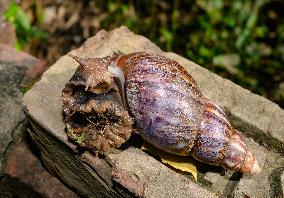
{"type": "Point", "coordinates": [24, 30]}
{"type": "Point", "coordinates": [228, 37]}
{"type": "Point", "coordinates": [240, 40]}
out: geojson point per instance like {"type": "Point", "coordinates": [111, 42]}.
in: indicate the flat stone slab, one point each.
{"type": "Point", "coordinates": [130, 171]}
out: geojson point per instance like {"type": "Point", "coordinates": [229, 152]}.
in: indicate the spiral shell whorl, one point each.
{"type": "Point", "coordinates": [218, 143]}
{"type": "Point", "coordinates": [157, 87]}
{"type": "Point", "coordinates": [213, 136]}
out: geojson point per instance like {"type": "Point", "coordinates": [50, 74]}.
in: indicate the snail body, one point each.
{"type": "Point", "coordinates": [169, 110]}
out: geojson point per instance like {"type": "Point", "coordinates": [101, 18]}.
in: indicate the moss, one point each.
{"type": "Point", "coordinates": [81, 138]}
{"type": "Point", "coordinates": [70, 132]}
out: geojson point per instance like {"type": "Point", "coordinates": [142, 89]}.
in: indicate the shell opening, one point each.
{"type": "Point", "coordinates": [119, 80]}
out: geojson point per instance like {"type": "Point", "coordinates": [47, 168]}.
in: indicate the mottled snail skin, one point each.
{"type": "Point", "coordinates": [93, 74]}
{"type": "Point", "coordinates": [94, 116]}
{"type": "Point", "coordinates": [172, 114]}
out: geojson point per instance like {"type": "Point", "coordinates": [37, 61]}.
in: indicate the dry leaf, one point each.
{"type": "Point", "coordinates": [179, 162]}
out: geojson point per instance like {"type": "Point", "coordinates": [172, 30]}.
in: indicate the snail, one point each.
{"type": "Point", "coordinates": [168, 108]}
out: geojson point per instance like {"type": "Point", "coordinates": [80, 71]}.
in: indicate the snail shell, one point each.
{"type": "Point", "coordinates": [172, 114]}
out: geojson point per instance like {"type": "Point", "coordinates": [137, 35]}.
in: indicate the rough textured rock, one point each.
{"type": "Point", "coordinates": [282, 181]}
{"type": "Point", "coordinates": [23, 171]}
{"type": "Point", "coordinates": [129, 172]}
{"type": "Point", "coordinates": [12, 120]}
{"type": "Point", "coordinates": [147, 177]}
{"type": "Point", "coordinates": [10, 100]}
{"type": "Point", "coordinates": [34, 66]}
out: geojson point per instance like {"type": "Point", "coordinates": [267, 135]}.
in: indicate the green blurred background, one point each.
{"type": "Point", "coordinates": [242, 40]}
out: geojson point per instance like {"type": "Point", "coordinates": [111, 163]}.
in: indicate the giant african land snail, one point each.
{"type": "Point", "coordinates": [169, 110]}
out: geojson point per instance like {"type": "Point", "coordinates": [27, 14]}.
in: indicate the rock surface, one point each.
{"type": "Point", "coordinates": [24, 172]}
{"type": "Point", "coordinates": [12, 120]}
{"type": "Point", "coordinates": [21, 173]}
{"type": "Point", "coordinates": [132, 172]}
